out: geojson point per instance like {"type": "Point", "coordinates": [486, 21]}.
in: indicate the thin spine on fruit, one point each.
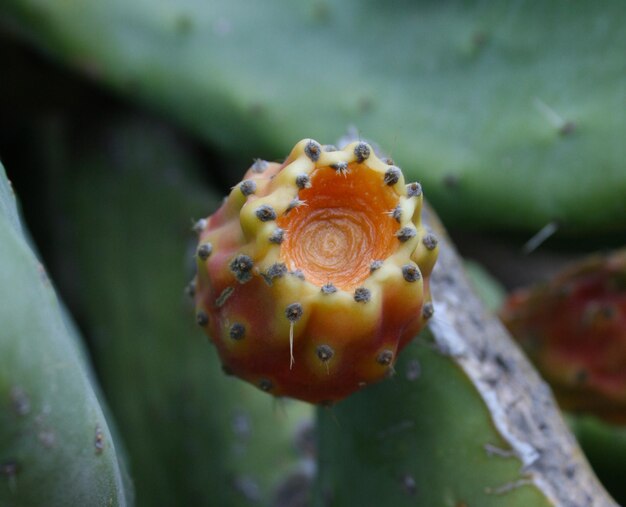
{"type": "Point", "coordinates": [255, 232]}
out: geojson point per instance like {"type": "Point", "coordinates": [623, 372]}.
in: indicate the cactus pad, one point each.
{"type": "Point", "coordinates": [517, 117]}
{"type": "Point", "coordinates": [57, 447]}
{"type": "Point", "coordinates": [313, 274]}
{"type": "Point", "coordinates": [574, 328]}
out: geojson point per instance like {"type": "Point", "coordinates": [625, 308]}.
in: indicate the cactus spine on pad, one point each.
{"type": "Point", "coordinates": [313, 275]}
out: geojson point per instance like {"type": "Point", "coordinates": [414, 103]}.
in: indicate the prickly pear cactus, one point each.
{"type": "Point", "coordinates": [501, 108]}
{"type": "Point", "coordinates": [313, 274]}
{"type": "Point", "coordinates": [56, 446]}
{"type": "Point", "coordinates": [574, 328]}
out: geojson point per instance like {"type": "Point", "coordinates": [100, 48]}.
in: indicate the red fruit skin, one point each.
{"type": "Point", "coordinates": [344, 339]}
{"type": "Point", "coordinates": [574, 329]}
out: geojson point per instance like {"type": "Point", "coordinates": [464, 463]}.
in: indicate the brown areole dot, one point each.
{"type": "Point", "coordinates": [265, 213]}
{"type": "Point", "coordinates": [293, 312]}
{"type": "Point", "coordinates": [237, 331]}
{"type": "Point", "coordinates": [385, 358]}
{"type": "Point", "coordinates": [362, 152]}
{"type": "Point", "coordinates": [190, 290]}
{"type": "Point", "coordinates": [413, 189]}
{"type": "Point", "coordinates": [375, 265]}
{"type": "Point", "coordinates": [411, 273]}
{"type": "Point", "coordinates": [313, 150]}
{"type": "Point", "coordinates": [428, 310]}
{"type": "Point", "coordinates": [396, 213]}
{"type": "Point", "coordinates": [247, 187]}
{"type": "Point", "coordinates": [328, 288]}
{"type": "Point", "coordinates": [277, 236]}
{"type": "Point", "coordinates": [362, 295]}
{"type": "Point", "coordinates": [200, 225]}
{"type": "Point", "coordinates": [241, 267]}
{"type": "Point", "coordinates": [303, 181]}
{"type": "Point", "coordinates": [259, 166]}
{"type": "Point", "coordinates": [430, 241]}
{"type": "Point", "coordinates": [266, 385]}
{"type": "Point", "coordinates": [98, 441]}
{"type": "Point", "coordinates": [202, 318]}
{"type": "Point", "coordinates": [325, 353]}
{"type": "Point", "coordinates": [204, 251]}
{"type": "Point", "coordinates": [406, 233]}
{"type": "Point", "coordinates": [276, 270]}
{"type": "Point", "coordinates": [392, 175]}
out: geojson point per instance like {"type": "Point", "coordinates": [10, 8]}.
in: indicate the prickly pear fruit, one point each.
{"type": "Point", "coordinates": [313, 274]}
{"type": "Point", "coordinates": [574, 328]}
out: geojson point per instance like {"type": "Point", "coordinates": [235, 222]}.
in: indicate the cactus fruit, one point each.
{"type": "Point", "coordinates": [574, 328]}
{"type": "Point", "coordinates": [313, 274]}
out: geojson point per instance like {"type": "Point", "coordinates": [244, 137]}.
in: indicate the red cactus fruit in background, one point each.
{"type": "Point", "coordinates": [313, 274]}
{"type": "Point", "coordinates": [574, 329]}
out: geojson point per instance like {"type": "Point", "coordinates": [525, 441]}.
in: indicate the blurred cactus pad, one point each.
{"type": "Point", "coordinates": [56, 447]}
{"type": "Point", "coordinates": [512, 114]}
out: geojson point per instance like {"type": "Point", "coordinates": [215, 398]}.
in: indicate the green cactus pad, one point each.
{"type": "Point", "coordinates": [56, 447]}
{"type": "Point", "coordinates": [421, 438]}
{"type": "Point", "coordinates": [8, 205]}
{"type": "Point", "coordinates": [194, 435]}
{"type": "Point", "coordinates": [511, 115]}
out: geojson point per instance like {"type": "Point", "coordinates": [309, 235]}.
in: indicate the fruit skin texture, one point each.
{"type": "Point", "coordinates": [313, 274]}
{"type": "Point", "coordinates": [574, 329]}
